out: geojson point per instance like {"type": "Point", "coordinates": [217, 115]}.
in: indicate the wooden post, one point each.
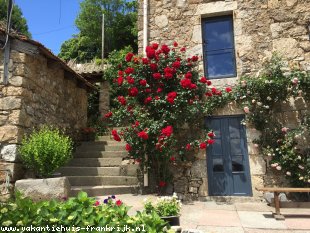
{"type": "Point", "coordinates": [102, 39]}
{"type": "Point", "coordinates": [277, 214]}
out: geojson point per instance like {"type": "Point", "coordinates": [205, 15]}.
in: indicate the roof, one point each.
{"type": "Point", "coordinates": [47, 53]}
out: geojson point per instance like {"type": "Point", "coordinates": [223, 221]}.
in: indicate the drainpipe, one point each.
{"type": "Point", "coordinates": [145, 6]}
{"type": "Point", "coordinates": [145, 31]}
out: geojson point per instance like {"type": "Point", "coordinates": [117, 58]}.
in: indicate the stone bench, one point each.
{"type": "Point", "coordinates": [277, 191]}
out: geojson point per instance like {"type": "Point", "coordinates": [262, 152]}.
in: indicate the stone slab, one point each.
{"type": "Point", "coordinates": [251, 219]}
{"type": "Point", "coordinates": [44, 189]}
{"type": "Point", "coordinates": [220, 229]}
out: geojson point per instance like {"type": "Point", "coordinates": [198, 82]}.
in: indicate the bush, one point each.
{"type": "Point", "coordinates": [80, 212]}
{"type": "Point", "coordinates": [46, 150]}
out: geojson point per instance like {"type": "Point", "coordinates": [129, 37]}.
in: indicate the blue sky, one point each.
{"type": "Point", "coordinates": [50, 22]}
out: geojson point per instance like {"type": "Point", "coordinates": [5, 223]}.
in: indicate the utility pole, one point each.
{"type": "Point", "coordinates": [102, 37]}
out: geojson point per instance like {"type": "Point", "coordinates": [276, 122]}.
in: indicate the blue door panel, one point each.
{"type": "Point", "coordinates": [227, 158]}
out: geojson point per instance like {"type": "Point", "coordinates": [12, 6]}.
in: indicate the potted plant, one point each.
{"type": "Point", "coordinates": [167, 207]}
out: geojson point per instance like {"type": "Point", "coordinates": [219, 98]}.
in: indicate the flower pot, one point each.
{"type": "Point", "coordinates": [172, 220]}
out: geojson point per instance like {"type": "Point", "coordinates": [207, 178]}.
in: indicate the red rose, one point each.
{"type": "Point", "coordinates": [145, 61]}
{"type": "Point", "coordinates": [129, 70]}
{"type": "Point", "coordinates": [128, 147]}
{"type": "Point", "coordinates": [120, 80]}
{"type": "Point", "coordinates": [156, 97]}
{"type": "Point", "coordinates": [228, 89]}
{"type": "Point", "coordinates": [162, 183]}
{"type": "Point", "coordinates": [213, 89]}
{"type": "Point", "coordinates": [133, 91]}
{"type": "Point", "coordinates": [195, 58]}
{"type": "Point", "coordinates": [120, 73]}
{"type": "Point", "coordinates": [183, 49]}
{"type": "Point", "coordinates": [159, 90]}
{"type": "Point", "coordinates": [171, 96]}
{"type": "Point", "coordinates": [186, 83]}
{"type": "Point", "coordinates": [156, 76]}
{"type": "Point", "coordinates": [167, 131]}
{"type": "Point", "coordinates": [203, 145]}
{"type": "Point", "coordinates": [108, 115]}
{"type": "Point", "coordinates": [148, 100]}
{"type": "Point", "coordinates": [150, 52]}
{"type": "Point", "coordinates": [188, 146]}
{"type": "Point", "coordinates": [116, 136]}
{"type": "Point", "coordinates": [143, 135]}
{"type": "Point", "coordinates": [130, 80]}
{"type": "Point", "coordinates": [208, 94]}
{"type": "Point", "coordinates": [148, 90]}
{"type": "Point", "coordinates": [209, 82]}
{"type": "Point", "coordinates": [175, 44]}
{"type": "Point", "coordinates": [203, 80]}
{"type": "Point", "coordinates": [114, 132]}
{"type": "Point", "coordinates": [121, 100]}
{"type": "Point", "coordinates": [137, 123]}
{"type": "Point", "coordinates": [165, 49]}
{"type": "Point", "coordinates": [155, 46]}
{"type": "Point", "coordinates": [193, 86]}
{"type": "Point", "coordinates": [172, 159]}
{"type": "Point", "coordinates": [219, 93]}
{"type": "Point", "coordinates": [176, 65]}
{"type": "Point", "coordinates": [143, 82]}
{"type": "Point", "coordinates": [188, 75]}
{"type": "Point", "coordinates": [153, 66]}
{"type": "Point", "coordinates": [97, 203]}
{"type": "Point", "coordinates": [211, 135]}
{"type": "Point", "coordinates": [129, 57]}
{"type": "Point", "coordinates": [118, 202]}
{"type": "Point", "coordinates": [210, 141]}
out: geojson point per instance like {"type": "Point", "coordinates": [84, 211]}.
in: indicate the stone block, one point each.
{"type": "Point", "coordinates": [9, 153]}
{"type": "Point", "coordinates": [12, 91]}
{"type": "Point", "coordinates": [216, 7]}
{"type": "Point", "coordinates": [257, 181]}
{"type": "Point", "coordinates": [10, 103]}
{"type": "Point", "coordinates": [199, 169]}
{"type": "Point", "coordinates": [257, 165]}
{"type": "Point", "coordinates": [273, 3]}
{"type": "Point", "coordinates": [252, 134]}
{"type": "Point", "coordinates": [291, 119]}
{"type": "Point", "coordinates": [16, 170]}
{"type": "Point", "coordinates": [16, 81]}
{"type": "Point", "coordinates": [193, 190]}
{"type": "Point", "coordinates": [203, 189]}
{"type": "Point", "coordinates": [44, 189]}
{"type": "Point", "coordinates": [287, 47]}
{"type": "Point", "coordinates": [252, 149]}
{"type": "Point", "coordinates": [291, 3]}
{"type": "Point", "coordinates": [181, 185]}
{"type": "Point", "coordinates": [8, 133]}
{"type": "Point", "coordinates": [161, 21]}
{"type": "Point", "coordinates": [196, 35]}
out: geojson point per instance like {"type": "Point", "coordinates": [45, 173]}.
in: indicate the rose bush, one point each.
{"type": "Point", "coordinates": [161, 96]}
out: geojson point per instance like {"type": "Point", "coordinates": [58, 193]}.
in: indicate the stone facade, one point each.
{"type": "Point", "coordinates": [41, 90]}
{"type": "Point", "coordinates": [260, 28]}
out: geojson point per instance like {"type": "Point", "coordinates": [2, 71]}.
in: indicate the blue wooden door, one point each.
{"type": "Point", "coordinates": [227, 159]}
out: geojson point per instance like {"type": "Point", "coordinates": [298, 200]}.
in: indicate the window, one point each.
{"type": "Point", "coordinates": [219, 48]}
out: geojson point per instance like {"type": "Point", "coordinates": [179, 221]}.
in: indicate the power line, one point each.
{"type": "Point", "coordinates": [54, 30]}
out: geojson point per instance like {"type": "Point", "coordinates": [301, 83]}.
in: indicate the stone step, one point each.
{"type": "Point", "coordinates": [106, 190]}
{"type": "Point", "coordinates": [100, 154]}
{"type": "Point", "coordinates": [115, 147]}
{"type": "Point", "coordinates": [102, 180]}
{"type": "Point", "coordinates": [90, 171]}
{"type": "Point", "coordinates": [102, 143]}
{"type": "Point", "coordinates": [95, 162]}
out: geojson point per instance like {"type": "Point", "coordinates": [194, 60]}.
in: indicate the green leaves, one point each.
{"type": "Point", "coordinates": [45, 150]}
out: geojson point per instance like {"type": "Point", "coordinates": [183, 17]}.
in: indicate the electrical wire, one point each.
{"type": "Point", "coordinates": [8, 25]}
{"type": "Point", "coordinates": [55, 30]}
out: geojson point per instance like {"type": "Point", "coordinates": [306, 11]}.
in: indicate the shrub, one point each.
{"type": "Point", "coordinates": [79, 212]}
{"type": "Point", "coordinates": [45, 150]}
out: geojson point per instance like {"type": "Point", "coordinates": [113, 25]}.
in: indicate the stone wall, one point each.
{"type": "Point", "coordinates": [260, 28]}
{"type": "Point", "coordinates": [39, 92]}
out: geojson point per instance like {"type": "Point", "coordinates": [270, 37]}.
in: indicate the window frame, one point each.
{"type": "Point", "coordinates": [233, 49]}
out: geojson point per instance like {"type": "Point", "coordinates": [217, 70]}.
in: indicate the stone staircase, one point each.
{"type": "Point", "coordinates": [98, 168]}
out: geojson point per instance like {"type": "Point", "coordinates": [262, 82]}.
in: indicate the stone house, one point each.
{"type": "Point", "coordinates": [41, 89]}
{"type": "Point", "coordinates": [233, 38]}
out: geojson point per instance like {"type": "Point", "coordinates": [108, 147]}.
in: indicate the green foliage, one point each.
{"type": "Point", "coordinates": [79, 212]}
{"type": "Point", "coordinates": [19, 23]}
{"type": "Point", "coordinates": [45, 150]}
{"type": "Point", "coordinates": [164, 206]}
{"type": "Point", "coordinates": [120, 29]}
{"type": "Point", "coordinates": [262, 98]}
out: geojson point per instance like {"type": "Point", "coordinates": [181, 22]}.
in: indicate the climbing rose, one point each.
{"type": "Point", "coordinates": [118, 202]}
{"type": "Point", "coordinates": [129, 70]}
{"type": "Point", "coordinates": [150, 52]}
{"type": "Point", "coordinates": [203, 80]}
{"type": "Point", "coordinates": [143, 82]}
{"type": "Point", "coordinates": [209, 82]}
{"type": "Point", "coordinates": [210, 141]}
{"type": "Point", "coordinates": [129, 57]}
{"type": "Point", "coordinates": [121, 100]}
{"type": "Point", "coordinates": [176, 64]}
{"type": "Point", "coordinates": [143, 135]}
{"type": "Point", "coordinates": [165, 49]}
{"type": "Point", "coordinates": [147, 100]}
{"type": "Point", "coordinates": [175, 44]}
{"type": "Point", "coordinates": [183, 49]}
{"type": "Point", "coordinates": [128, 147]}
{"type": "Point", "coordinates": [133, 91]}
{"type": "Point", "coordinates": [108, 115]}
{"type": "Point", "coordinates": [195, 58]}
{"type": "Point", "coordinates": [97, 203]}
{"type": "Point", "coordinates": [172, 159]}
{"type": "Point", "coordinates": [153, 66]}
{"type": "Point", "coordinates": [120, 80]}
{"type": "Point", "coordinates": [156, 75]}
{"type": "Point", "coordinates": [159, 90]}
{"type": "Point", "coordinates": [171, 96]}
{"type": "Point", "coordinates": [155, 46]}
{"type": "Point", "coordinates": [115, 135]}
{"type": "Point", "coordinates": [167, 131]}
{"type": "Point", "coordinates": [186, 83]}
{"type": "Point", "coordinates": [203, 145]}
{"type": "Point", "coordinates": [228, 89]}
{"type": "Point", "coordinates": [188, 75]}
{"type": "Point", "coordinates": [145, 61]}
{"type": "Point", "coordinates": [211, 134]}
{"type": "Point", "coordinates": [246, 109]}
{"type": "Point", "coordinates": [188, 146]}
